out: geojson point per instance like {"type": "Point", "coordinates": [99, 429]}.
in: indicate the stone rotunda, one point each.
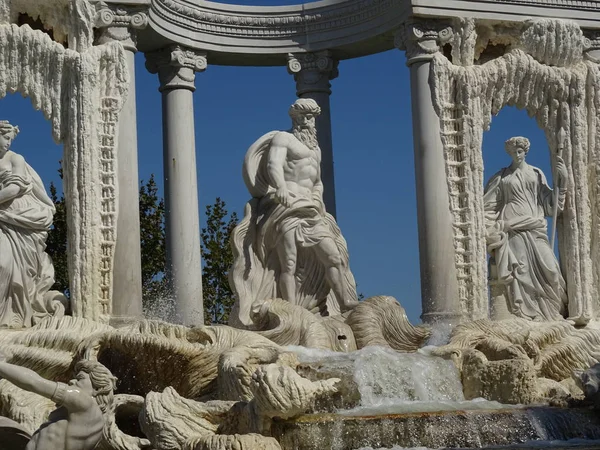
{"type": "Point", "coordinates": [467, 60]}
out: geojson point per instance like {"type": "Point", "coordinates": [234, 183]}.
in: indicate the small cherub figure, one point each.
{"type": "Point", "coordinates": [78, 421]}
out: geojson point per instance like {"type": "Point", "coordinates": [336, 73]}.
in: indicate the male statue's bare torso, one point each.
{"type": "Point", "coordinates": [69, 431]}
{"type": "Point", "coordinates": [301, 168]}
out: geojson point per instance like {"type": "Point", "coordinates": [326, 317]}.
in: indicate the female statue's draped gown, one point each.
{"type": "Point", "coordinates": [26, 271]}
{"type": "Point", "coordinates": [516, 205]}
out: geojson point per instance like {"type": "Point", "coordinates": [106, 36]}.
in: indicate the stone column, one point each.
{"type": "Point", "coordinates": [439, 284]}
{"type": "Point", "coordinates": [176, 69]}
{"type": "Point", "coordinates": [312, 72]}
{"type": "Point", "coordinates": [120, 24]}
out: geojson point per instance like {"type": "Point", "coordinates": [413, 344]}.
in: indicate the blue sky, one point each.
{"type": "Point", "coordinates": [373, 152]}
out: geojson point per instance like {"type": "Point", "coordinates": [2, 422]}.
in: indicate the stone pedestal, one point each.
{"type": "Point", "coordinates": [120, 24]}
{"type": "Point", "coordinates": [439, 285]}
{"type": "Point", "coordinates": [312, 72]}
{"type": "Point", "coordinates": [176, 68]}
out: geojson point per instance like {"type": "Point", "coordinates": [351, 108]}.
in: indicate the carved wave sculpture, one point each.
{"type": "Point", "coordinates": [381, 320]}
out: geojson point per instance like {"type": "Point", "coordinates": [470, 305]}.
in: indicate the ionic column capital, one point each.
{"type": "Point", "coordinates": [591, 45]}
{"type": "Point", "coordinates": [176, 66]}
{"type": "Point", "coordinates": [422, 39]}
{"type": "Point", "coordinates": [120, 23]}
{"type": "Point", "coordinates": [313, 71]}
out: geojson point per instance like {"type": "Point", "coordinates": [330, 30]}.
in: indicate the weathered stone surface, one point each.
{"type": "Point", "coordinates": [281, 392]}
{"type": "Point", "coordinates": [509, 381]}
{"type": "Point", "coordinates": [234, 442]}
{"type": "Point", "coordinates": [552, 392]}
{"type": "Point", "coordinates": [589, 382]}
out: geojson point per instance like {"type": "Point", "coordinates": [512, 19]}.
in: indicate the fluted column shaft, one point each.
{"type": "Point", "coordinates": [176, 68]}
{"type": "Point", "coordinates": [120, 24]}
{"type": "Point", "coordinates": [312, 73]}
{"type": "Point", "coordinates": [439, 284]}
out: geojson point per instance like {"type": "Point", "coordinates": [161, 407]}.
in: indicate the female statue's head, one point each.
{"type": "Point", "coordinates": [517, 147]}
{"type": "Point", "coordinates": [7, 133]}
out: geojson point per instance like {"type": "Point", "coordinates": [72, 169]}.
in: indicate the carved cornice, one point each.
{"type": "Point", "coordinates": [269, 33]}
{"type": "Point", "coordinates": [421, 39]}
{"type": "Point", "coordinates": [288, 24]}
{"type": "Point", "coordinates": [263, 35]}
{"type": "Point", "coordinates": [312, 71]}
{"type": "Point", "coordinates": [585, 13]}
{"type": "Point", "coordinates": [176, 66]}
{"type": "Point", "coordinates": [566, 4]}
{"type": "Point", "coordinates": [120, 22]}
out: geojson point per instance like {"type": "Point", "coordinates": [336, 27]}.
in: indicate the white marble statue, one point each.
{"type": "Point", "coordinates": [288, 246]}
{"type": "Point", "coordinates": [26, 212]}
{"type": "Point", "coordinates": [78, 421]}
{"type": "Point", "coordinates": [517, 200]}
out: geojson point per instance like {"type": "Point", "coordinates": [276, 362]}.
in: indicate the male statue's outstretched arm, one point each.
{"type": "Point", "coordinates": [277, 157]}
{"type": "Point", "coordinates": [26, 379]}
{"type": "Point", "coordinates": [29, 380]}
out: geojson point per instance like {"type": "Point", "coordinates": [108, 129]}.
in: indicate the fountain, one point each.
{"type": "Point", "coordinates": [507, 354]}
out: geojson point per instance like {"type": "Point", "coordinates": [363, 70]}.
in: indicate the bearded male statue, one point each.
{"type": "Point", "coordinates": [287, 245]}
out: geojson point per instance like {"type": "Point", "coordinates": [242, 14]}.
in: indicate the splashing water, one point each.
{"type": "Point", "coordinates": [385, 376]}
{"type": "Point", "coordinates": [390, 382]}
{"type": "Point", "coordinates": [161, 307]}
{"type": "Point", "coordinates": [440, 334]}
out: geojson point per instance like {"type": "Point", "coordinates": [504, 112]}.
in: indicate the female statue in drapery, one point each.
{"type": "Point", "coordinates": [517, 200]}
{"type": "Point", "coordinates": [26, 212]}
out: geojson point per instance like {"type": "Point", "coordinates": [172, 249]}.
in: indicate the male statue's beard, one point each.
{"type": "Point", "coordinates": [308, 136]}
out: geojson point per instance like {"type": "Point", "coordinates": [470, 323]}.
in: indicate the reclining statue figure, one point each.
{"type": "Point", "coordinates": [78, 421]}
{"type": "Point", "coordinates": [287, 246]}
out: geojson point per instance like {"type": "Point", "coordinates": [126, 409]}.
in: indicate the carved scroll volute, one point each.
{"type": "Point", "coordinates": [313, 71]}
{"type": "Point", "coordinates": [422, 39]}
{"type": "Point", "coordinates": [119, 23]}
{"type": "Point", "coordinates": [591, 46]}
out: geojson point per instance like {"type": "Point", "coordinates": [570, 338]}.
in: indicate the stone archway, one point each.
{"type": "Point", "coordinates": [545, 72]}
{"type": "Point", "coordinates": [80, 90]}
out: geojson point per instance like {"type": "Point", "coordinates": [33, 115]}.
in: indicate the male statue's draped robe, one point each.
{"type": "Point", "coordinates": [255, 240]}
{"type": "Point", "coordinates": [516, 205]}
{"type": "Point", "coordinates": [26, 271]}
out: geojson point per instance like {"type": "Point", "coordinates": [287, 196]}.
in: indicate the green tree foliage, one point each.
{"type": "Point", "coordinates": [152, 242]}
{"type": "Point", "coordinates": [56, 244]}
{"type": "Point", "coordinates": [216, 252]}
{"type": "Point", "coordinates": [218, 258]}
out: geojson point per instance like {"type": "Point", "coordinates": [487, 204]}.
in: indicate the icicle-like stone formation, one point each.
{"type": "Point", "coordinates": [80, 90]}
{"type": "Point", "coordinates": [544, 72]}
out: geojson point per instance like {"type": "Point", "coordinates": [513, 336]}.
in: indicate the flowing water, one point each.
{"type": "Point", "coordinates": [389, 382]}
{"type": "Point", "coordinates": [415, 401]}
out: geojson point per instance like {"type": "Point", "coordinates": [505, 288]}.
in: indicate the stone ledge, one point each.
{"type": "Point", "coordinates": [462, 429]}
